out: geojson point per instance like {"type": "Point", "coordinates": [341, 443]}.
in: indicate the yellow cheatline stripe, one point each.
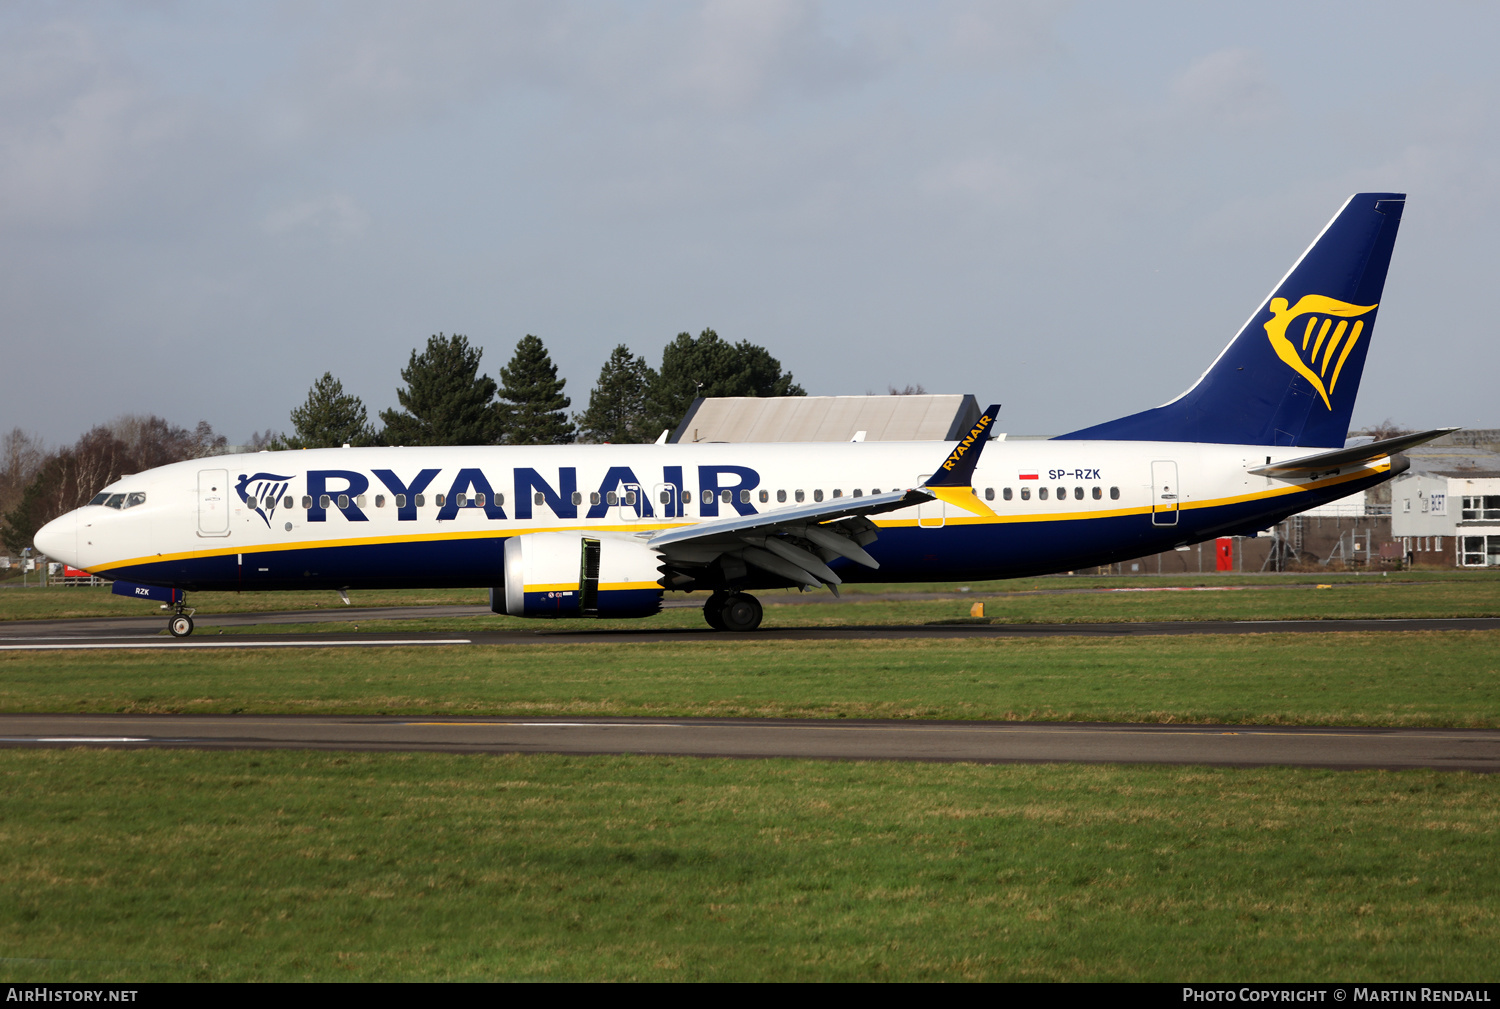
{"type": "Point", "coordinates": [482, 534]}
{"type": "Point", "coordinates": [603, 586]}
{"type": "Point", "coordinates": [1062, 516]}
{"type": "Point", "coordinates": [1073, 516]}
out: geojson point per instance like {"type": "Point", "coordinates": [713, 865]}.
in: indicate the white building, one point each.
{"type": "Point", "coordinates": [1446, 508]}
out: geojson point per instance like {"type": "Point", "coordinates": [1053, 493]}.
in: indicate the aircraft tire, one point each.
{"type": "Point", "coordinates": [180, 626]}
{"type": "Point", "coordinates": [713, 611]}
{"type": "Point", "coordinates": [740, 613]}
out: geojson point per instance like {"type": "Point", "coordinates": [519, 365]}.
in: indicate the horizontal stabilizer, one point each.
{"type": "Point", "coordinates": [1324, 461]}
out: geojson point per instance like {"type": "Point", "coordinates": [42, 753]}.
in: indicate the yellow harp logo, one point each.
{"type": "Point", "coordinates": [1316, 308]}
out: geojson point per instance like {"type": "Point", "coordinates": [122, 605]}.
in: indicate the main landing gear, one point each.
{"type": "Point", "coordinates": [732, 611]}
{"type": "Point", "coordinates": [180, 624]}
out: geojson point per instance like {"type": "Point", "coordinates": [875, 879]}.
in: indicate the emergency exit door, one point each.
{"type": "Point", "coordinates": [1164, 493]}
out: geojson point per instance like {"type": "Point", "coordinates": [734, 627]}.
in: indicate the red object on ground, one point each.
{"type": "Point", "coordinates": [1224, 552]}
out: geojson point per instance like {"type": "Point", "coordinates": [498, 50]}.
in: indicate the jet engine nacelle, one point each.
{"type": "Point", "coordinates": [578, 575]}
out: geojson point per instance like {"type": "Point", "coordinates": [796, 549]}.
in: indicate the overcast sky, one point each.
{"type": "Point", "coordinates": [1066, 207]}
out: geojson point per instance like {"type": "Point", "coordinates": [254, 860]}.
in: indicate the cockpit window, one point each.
{"type": "Point", "coordinates": [115, 501]}
{"type": "Point", "coordinates": [135, 498]}
{"type": "Point", "coordinates": [99, 499]}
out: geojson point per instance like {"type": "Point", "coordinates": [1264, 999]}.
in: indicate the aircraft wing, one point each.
{"type": "Point", "coordinates": [795, 543]}
{"type": "Point", "coordinates": [1335, 458]}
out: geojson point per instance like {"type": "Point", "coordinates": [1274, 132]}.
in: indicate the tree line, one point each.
{"type": "Point", "coordinates": [446, 399]}
{"type": "Point", "coordinates": [37, 485]}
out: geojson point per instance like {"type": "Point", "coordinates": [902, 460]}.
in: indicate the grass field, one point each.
{"type": "Point", "coordinates": [1393, 678]}
{"type": "Point", "coordinates": [292, 866]}
{"type": "Point", "coordinates": [1030, 600]}
{"type": "Point", "coordinates": [174, 865]}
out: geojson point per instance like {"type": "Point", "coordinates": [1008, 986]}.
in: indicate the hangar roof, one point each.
{"type": "Point", "coordinates": [827, 418]}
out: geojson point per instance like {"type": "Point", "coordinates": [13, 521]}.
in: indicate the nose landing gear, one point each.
{"type": "Point", "coordinates": [180, 624]}
{"type": "Point", "coordinates": [732, 611]}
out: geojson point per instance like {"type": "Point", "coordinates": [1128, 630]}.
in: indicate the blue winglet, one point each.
{"type": "Point", "coordinates": [958, 469]}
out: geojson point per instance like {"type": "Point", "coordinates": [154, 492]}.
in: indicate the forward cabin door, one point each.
{"type": "Point", "coordinates": [1165, 494]}
{"type": "Point", "coordinates": [213, 502]}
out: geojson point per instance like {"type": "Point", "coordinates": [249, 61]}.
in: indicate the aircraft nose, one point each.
{"type": "Point", "coordinates": [58, 539]}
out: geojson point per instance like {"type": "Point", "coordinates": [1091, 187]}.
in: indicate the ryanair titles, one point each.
{"type": "Point", "coordinates": [529, 491]}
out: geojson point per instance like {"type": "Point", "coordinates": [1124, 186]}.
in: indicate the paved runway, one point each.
{"type": "Point", "coordinates": [982, 742]}
{"type": "Point", "coordinates": [150, 630]}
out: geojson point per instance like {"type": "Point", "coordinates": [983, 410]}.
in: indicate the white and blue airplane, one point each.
{"type": "Point", "coordinates": [603, 530]}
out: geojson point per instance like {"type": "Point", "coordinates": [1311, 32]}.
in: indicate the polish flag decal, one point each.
{"type": "Point", "coordinates": [1030, 475]}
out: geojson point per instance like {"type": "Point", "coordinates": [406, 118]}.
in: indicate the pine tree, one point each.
{"type": "Point", "coordinates": [329, 418]}
{"type": "Point", "coordinates": [446, 400]}
{"type": "Point", "coordinates": [617, 405]}
{"type": "Point", "coordinates": [708, 366]}
{"type": "Point", "coordinates": [532, 398]}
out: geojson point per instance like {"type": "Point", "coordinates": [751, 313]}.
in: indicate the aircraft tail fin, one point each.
{"type": "Point", "coordinates": [1291, 374]}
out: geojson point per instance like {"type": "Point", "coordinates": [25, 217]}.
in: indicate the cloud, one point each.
{"type": "Point", "coordinates": [1230, 87]}
{"type": "Point", "coordinates": [77, 126]}
{"type": "Point", "coordinates": [335, 216]}
{"type": "Point", "coordinates": [982, 34]}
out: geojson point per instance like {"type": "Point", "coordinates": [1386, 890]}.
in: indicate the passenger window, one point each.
{"type": "Point", "coordinates": [1077, 493]}
{"type": "Point", "coordinates": [379, 500]}
{"type": "Point", "coordinates": [1041, 493]}
{"type": "Point", "coordinates": [726, 496]}
{"type": "Point", "coordinates": [439, 499]}
{"type": "Point", "coordinates": [837, 492]}
{"type": "Point", "coordinates": [765, 496]}
{"type": "Point", "coordinates": [744, 497]}
{"type": "Point", "coordinates": [818, 495]}
{"type": "Point", "coordinates": [499, 499]}
{"type": "Point", "coordinates": [1098, 493]}
{"type": "Point", "coordinates": [708, 497]}
{"type": "Point", "coordinates": [461, 500]}
{"type": "Point", "coordinates": [1114, 493]}
{"type": "Point", "coordinates": [630, 497]}
{"type": "Point", "coordinates": [324, 501]}
{"type": "Point", "coordinates": [858, 492]}
{"type": "Point", "coordinates": [306, 501]}
{"type": "Point", "coordinates": [594, 497]}
{"type": "Point", "coordinates": [420, 500]}
{"type": "Point", "coordinates": [400, 500]}
{"type": "Point", "coordinates": [612, 499]}
{"type": "Point", "coordinates": [1025, 493]}
{"type": "Point", "coordinates": [287, 502]}
{"type": "Point", "coordinates": [479, 500]}
{"type": "Point", "coordinates": [666, 497]}
{"type": "Point", "coordinates": [800, 496]}
{"type": "Point", "coordinates": [1062, 493]}
{"type": "Point", "coordinates": [781, 497]}
{"type": "Point", "coordinates": [989, 493]}
{"type": "Point", "coordinates": [577, 498]}
{"type": "Point", "coordinates": [343, 501]}
{"type": "Point", "coordinates": [874, 490]}
{"type": "Point", "coordinates": [537, 498]}
{"type": "Point", "coordinates": [1005, 493]}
